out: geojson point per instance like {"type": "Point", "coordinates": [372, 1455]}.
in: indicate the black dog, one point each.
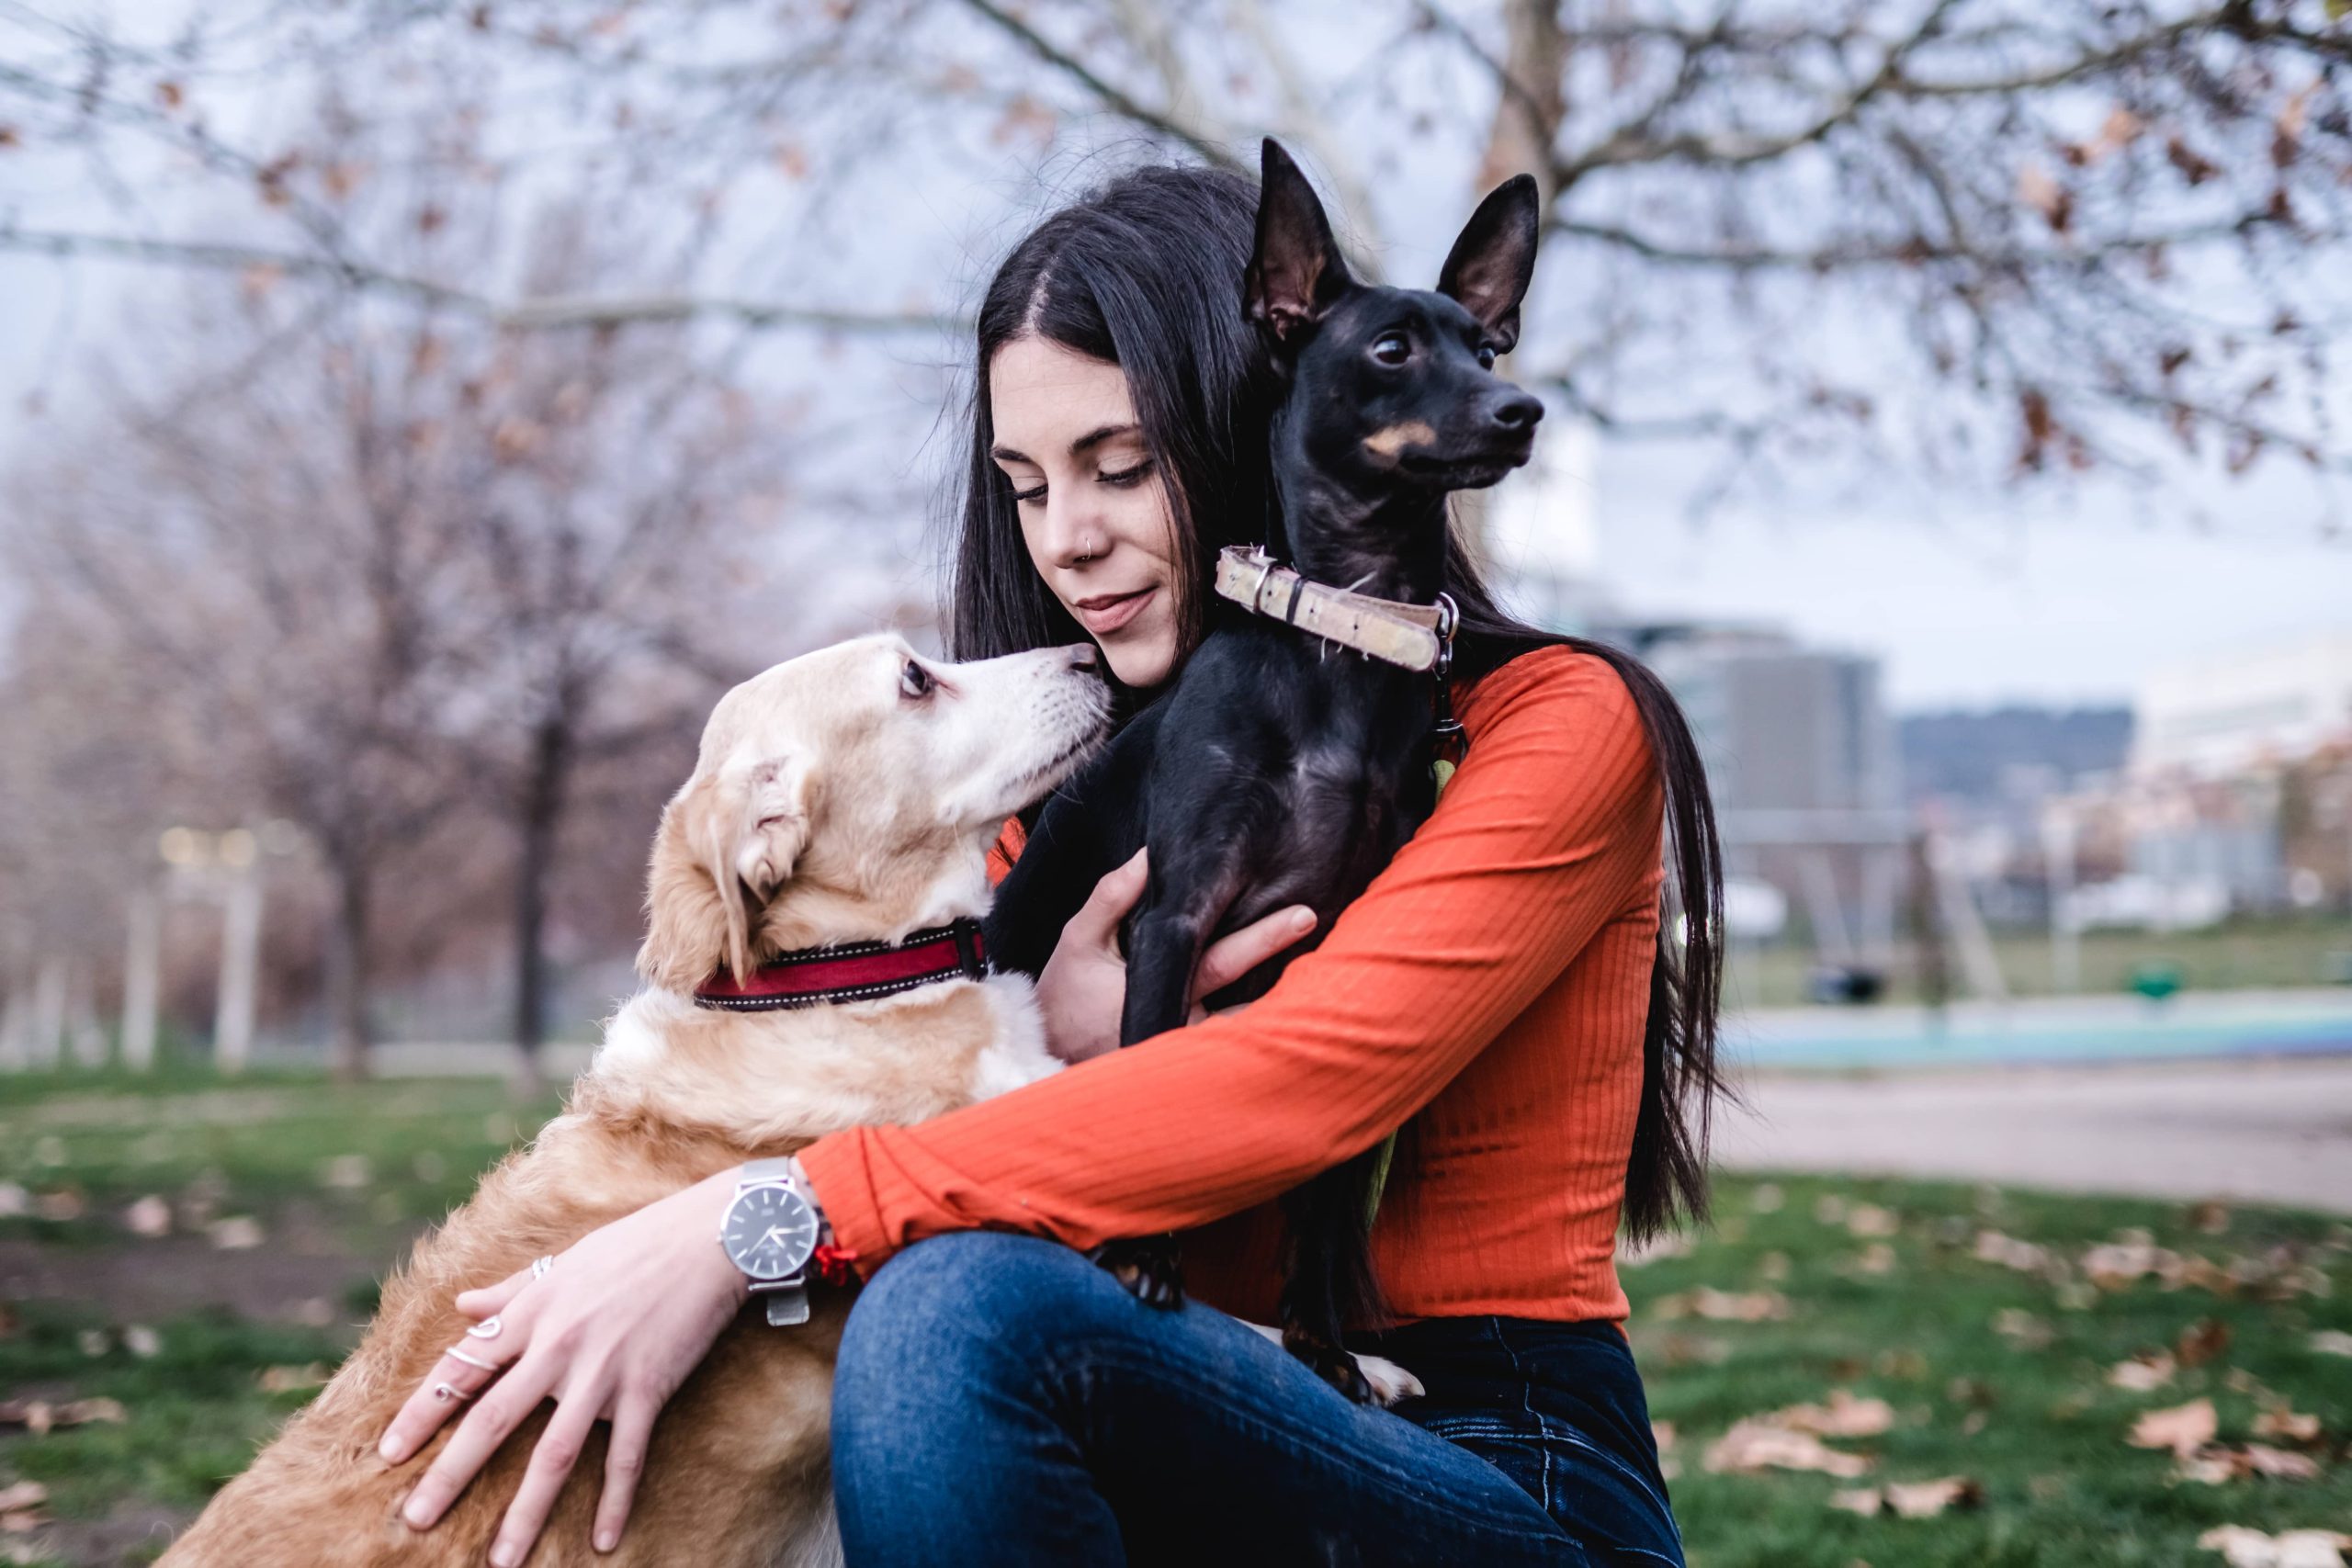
{"type": "Point", "coordinates": [1282, 769]}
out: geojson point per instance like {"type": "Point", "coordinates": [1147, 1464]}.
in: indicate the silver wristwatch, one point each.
{"type": "Point", "coordinates": [770, 1232]}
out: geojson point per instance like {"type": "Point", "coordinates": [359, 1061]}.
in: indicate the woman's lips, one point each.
{"type": "Point", "coordinates": [1107, 613]}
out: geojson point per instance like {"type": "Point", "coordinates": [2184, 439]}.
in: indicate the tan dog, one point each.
{"type": "Point", "coordinates": [848, 796]}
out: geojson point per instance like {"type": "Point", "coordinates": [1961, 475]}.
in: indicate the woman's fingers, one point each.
{"type": "Point", "coordinates": [1097, 920]}
{"type": "Point", "coordinates": [624, 1463]}
{"type": "Point", "coordinates": [464, 1370]}
{"type": "Point", "coordinates": [551, 1464]}
{"type": "Point", "coordinates": [490, 1300]}
{"type": "Point", "coordinates": [1235, 955]}
{"type": "Point", "coordinates": [494, 1415]}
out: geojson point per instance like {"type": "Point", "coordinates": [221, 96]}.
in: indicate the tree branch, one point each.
{"type": "Point", "coordinates": [540, 312]}
{"type": "Point", "coordinates": [1113, 97]}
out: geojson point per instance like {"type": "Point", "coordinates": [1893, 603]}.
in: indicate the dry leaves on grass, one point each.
{"type": "Point", "coordinates": [39, 1418]}
{"type": "Point", "coordinates": [2148, 1370]}
{"type": "Point", "coordinates": [1911, 1499]}
{"type": "Point", "coordinates": [238, 1233]}
{"type": "Point", "coordinates": [21, 1498]}
{"type": "Point", "coordinates": [1723, 1306]}
{"type": "Point", "coordinates": [2331, 1342]}
{"type": "Point", "coordinates": [293, 1379]}
{"type": "Point", "coordinates": [1756, 1444]}
{"type": "Point", "coordinates": [2183, 1428]}
{"type": "Point", "coordinates": [2285, 1421]}
{"type": "Point", "coordinates": [151, 1216]}
{"type": "Point", "coordinates": [2243, 1548]}
{"type": "Point", "coordinates": [2022, 1329]}
{"type": "Point", "coordinates": [1790, 1438]}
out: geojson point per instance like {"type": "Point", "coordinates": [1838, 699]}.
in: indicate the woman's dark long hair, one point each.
{"type": "Point", "coordinates": [1146, 274]}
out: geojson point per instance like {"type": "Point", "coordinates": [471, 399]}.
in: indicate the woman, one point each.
{"type": "Point", "coordinates": [1501, 993]}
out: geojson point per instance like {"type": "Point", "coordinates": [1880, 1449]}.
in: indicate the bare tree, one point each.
{"type": "Point", "coordinates": [1960, 237]}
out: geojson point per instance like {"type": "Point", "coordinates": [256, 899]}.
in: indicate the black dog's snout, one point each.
{"type": "Point", "coordinates": [1517, 413]}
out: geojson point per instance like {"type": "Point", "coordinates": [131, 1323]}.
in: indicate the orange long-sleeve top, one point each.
{"type": "Point", "coordinates": [1486, 994]}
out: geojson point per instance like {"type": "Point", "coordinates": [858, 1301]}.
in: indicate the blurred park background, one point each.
{"type": "Point", "coordinates": [416, 414]}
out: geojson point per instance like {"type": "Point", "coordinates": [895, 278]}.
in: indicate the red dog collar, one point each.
{"type": "Point", "coordinates": [854, 972]}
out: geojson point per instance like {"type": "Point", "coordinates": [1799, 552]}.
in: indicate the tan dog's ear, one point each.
{"type": "Point", "coordinates": [727, 843]}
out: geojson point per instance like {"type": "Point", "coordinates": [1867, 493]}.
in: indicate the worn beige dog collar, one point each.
{"type": "Point", "coordinates": [1417, 637]}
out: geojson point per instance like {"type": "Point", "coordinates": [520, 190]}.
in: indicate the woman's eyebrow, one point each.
{"type": "Point", "coordinates": [1078, 449]}
{"type": "Point", "coordinates": [1095, 437]}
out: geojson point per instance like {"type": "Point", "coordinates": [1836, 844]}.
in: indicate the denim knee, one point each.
{"type": "Point", "coordinates": [950, 1310]}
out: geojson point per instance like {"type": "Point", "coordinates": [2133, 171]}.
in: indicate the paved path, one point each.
{"type": "Point", "coordinates": [2277, 1131]}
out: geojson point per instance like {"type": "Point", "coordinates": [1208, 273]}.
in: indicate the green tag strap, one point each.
{"type": "Point", "coordinates": [1386, 1157]}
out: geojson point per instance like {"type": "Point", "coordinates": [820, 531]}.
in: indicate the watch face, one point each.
{"type": "Point", "coordinates": [771, 1232]}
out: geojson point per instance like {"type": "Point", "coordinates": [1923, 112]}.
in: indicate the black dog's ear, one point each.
{"type": "Point", "coordinates": [1495, 259]}
{"type": "Point", "coordinates": [1297, 273]}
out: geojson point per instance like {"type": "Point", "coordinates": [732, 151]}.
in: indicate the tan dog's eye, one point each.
{"type": "Point", "coordinates": [915, 681]}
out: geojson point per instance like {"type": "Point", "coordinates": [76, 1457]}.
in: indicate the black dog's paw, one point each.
{"type": "Point", "coordinates": [1150, 1267]}
{"type": "Point", "coordinates": [1330, 1362]}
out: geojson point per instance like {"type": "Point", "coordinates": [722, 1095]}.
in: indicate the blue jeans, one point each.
{"type": "Point", "coordinates": [1001, 1400]}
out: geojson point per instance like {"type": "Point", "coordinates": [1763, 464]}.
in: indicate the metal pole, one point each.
{"type": "Point", "coordinates": [142, 960]}
{"type": "Point", "coordinates": [232, 1030]}
{"type": "Point", "coordinates": [2065, 936]}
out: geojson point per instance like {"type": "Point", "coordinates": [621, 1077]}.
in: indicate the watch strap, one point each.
{"type": "Point", "coordinates": [787, 1304]}
{"type": "Point", "coordinates": [758, 1171]}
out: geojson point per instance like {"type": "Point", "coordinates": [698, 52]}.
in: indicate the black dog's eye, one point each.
{"type": "Point", "coordinates": [1486, 357]}
{"type": "Point", "coordinates": [915, 681]}
{"type": "Point", "coordinates": [1392, 349]}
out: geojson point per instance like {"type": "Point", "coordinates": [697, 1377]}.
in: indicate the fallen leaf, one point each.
{"type": "Point", "coordinates": [292, 1379]}
{"type": "Point", "coordinates": [58, 1207]}
{"type": "Point", "coordinates": [2201, 1341]}
{"type": "Point", "coordinates": [14, 1201]}
{"type": "Point", "coordinates": [151, 1216]}
{"type": "Point", "coordinates": [347, 1171]}
{"type": "Point", "coordinates": [2280, 1465]}
{"type": "Point", "coordinates": [2285, 1422]}
{"type": "Point", "coordinates": [1844, 1416]}
{"type": "Point", "coordinates": [94, 1342]}
{"type": "Point", "coordinates": [141, 1341]}
{"type": "Point", "coordinates": [236, 1234]}
{"type": "Point", "coordinates": [2183, 1428]}
{"type": "Point", "coordinates": [1925, 1499]}
{"type": "Point", "coordinates": [2008, 1251]}
{"type": "Point", "coordinates": [1865, 1220]}
{"type": "Point", "coordinates": [2022, 1329]}
{"type": "Point", "coordinates": [1876, 1258]}
{"type": "Point", "coordinates": [82, 1412]}
{"type": "Point", "coordinates": [1866, 1501]}
{"type": "Point", "coordinates": [1756, 1444]}
{"type": "Point", "coordinates": [2243, 1548]}
{"type": "Point", "coordinates": [2148, 1370]}
{"type": "Point", "coordinates": [2331, 1342]}
{"type": "Point", "coordinates": [1723, 1306]}
{"type": "Point", "coordinates": [23, 1495]}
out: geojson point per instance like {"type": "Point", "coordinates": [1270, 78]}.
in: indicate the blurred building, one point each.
{"type": "Point", "coordinates": [2238, 795]}
{"type": "Point", "coordinates": [2273, 703]}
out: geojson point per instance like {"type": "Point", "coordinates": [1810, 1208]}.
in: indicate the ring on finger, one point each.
{"type": "Point", "coordinates": [454, 1353]}
{"type": "Point", "coordinates": [540, 1267]}
{"type": "Point", "coordinates": [486, 1329]}
{"type": "Point", "coordinates": [445, 1392]}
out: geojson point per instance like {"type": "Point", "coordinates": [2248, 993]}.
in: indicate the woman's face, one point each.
{"type": "Point", "coordinates": [1093, 506]}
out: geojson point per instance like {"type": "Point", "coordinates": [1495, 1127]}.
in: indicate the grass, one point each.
{"type": "Point", "coordinates": [1992, 1374]}
{"type": "Point", "coordinates": [2239, 954]}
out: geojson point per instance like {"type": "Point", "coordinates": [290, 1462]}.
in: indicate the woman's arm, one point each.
{"type": "Point", "coordinates": [1550, 828]}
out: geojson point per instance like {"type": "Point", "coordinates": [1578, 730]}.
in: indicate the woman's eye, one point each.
{"type": "Point", "coordinates": [1486, 357]}
{"type": "Point", "coordinates": [915, 681]}
{"type": "Point", "coordinates": [1127, 477]}
{"type": "Point", "coordinates": [1392, 349]}
{"type": "Point", "coordinates": [1024, 497]}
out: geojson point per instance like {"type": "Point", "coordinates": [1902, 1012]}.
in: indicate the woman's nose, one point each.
{"type": "Point", "coordinates": [1074, 532]}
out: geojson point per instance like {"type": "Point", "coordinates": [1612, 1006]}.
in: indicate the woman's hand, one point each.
{"type": "Point", "coordinates": [626, 1314]}
{"type": "Point", "coordinates": [1084, 988]}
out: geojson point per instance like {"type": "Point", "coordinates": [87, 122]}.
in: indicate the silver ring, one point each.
{"type": "Point", "coordinates": [540, 1267]}
{"type": "Point", "coordinates": [470, 1361]}
{"type": "Point", "coordinates": [486, 1329]}
{"type": "Point", "coordinates": [444, 1393]}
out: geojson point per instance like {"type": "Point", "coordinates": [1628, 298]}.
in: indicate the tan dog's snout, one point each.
{"type": "Point", "coordinates": [859, 769]}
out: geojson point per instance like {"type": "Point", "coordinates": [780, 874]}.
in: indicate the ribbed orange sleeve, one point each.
{"type": "Point", "coordinates": [1548, 833]}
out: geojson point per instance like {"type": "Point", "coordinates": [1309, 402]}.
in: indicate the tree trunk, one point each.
{"type": "Point", "coordinates": [346, 964]}
{"type": "Point", "coordinates": [541, 814]}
